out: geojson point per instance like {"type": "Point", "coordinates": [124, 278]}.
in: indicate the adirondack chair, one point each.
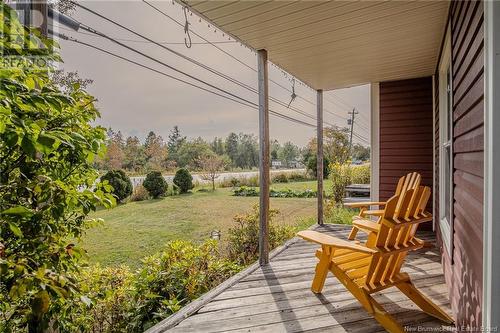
{"type": "Point", "coordinates": [366, 269]}
{"type": "Point", "coordinates": [410, 181]}
{"type": "Point", "coordinates": [416, 210]}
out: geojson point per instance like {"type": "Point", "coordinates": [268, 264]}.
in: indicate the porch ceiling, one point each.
{"type": "Point", "coordinates": [334, 44]}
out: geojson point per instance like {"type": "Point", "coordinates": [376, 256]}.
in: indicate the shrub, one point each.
{"type": "Point", "coordinates": [139, 194]}
{"type": "Point", "coordinates": [243, 239]}
{"type": "Point", "coordinates": [298, 177]}
{"type": "Point", "coordinates": [287, 193]}
{"type": "Point", "coordinates": [245, 191]}
{"type": "Point", "coordinates": [155, 184]}
{"type": "Point", "coordinates": [280, 178]}
{"type": "Point", "coordinates": [337, 214]}
{"type": "Point", "coordinates": [183, 180]}
{"type": "Point", "coordinates": [340, 177]}
{"type": "Point", "coordinates": [360, 174]}
{"type": "Point", "coordinates": [122, 186]}
{"type": "Point", "coordinates": [312, 166]}
{"type": "Point", "coordinates": [252, 181]}
{"type": "Point", "coordinates": [109, 306]}
{"type": "Point", "coordinates": [179, 274]}
{"type": "Point", "coordinates": [47, 146]}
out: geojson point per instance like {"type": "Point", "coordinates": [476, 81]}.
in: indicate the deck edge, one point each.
{"type": "Point", "coordinates": [191, 308]}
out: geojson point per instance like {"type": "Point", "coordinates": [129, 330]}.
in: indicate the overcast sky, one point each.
{"type": "Point", "coordinates": [135, 100]}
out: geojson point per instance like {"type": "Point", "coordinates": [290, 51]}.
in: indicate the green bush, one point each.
{"type": "Point", "coordinates": [341, 177]}
{"type": "Point", "coordinates": [280, 178]}
{"type": "Point", "coordinates": [337, 214]}
{"type": "Point", "coordinates": [312, 166]}
{"type": "Point", "coordinates": [122, 186]}
{"type": "Point", "coordinates": [298, 177]}
{"type": "Point", "coordinates": [245, 191]}
{"type": "Point", "coordinates": [183, 180]}
{"type": "Point", "coordinates": [139, 194]}
{"type": "Point", "coordinates": [287, 193]}
{"type": "Point", "coordinates": [179, 274]}
{"type": "Point", "coordinates": [109, 306]}
{"type": "Point", "coordinates": [252, 181]}
{"type": "Point", "coordinates": [360, 174]}
{"type": "Point", "coordinates": [243, 238]}
{"type": "Point", "coordinates": [155, 184]}
{"type": "Point", "coordinates": [47, 147]}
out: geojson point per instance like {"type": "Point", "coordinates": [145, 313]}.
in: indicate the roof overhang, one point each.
{"type": "Point", "coordinates": [335, 44]}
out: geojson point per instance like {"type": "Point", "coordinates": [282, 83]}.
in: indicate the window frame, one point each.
{"type": "Point", "coordinates": [446, 143]}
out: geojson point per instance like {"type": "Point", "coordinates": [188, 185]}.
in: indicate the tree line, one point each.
{"type": "Point", "coordinates": [236, 151]}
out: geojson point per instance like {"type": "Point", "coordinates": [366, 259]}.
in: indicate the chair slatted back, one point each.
{"type": "Point", "coordinates": [396, 235]}
{"type": "Point", "coordinates": [410, 181]}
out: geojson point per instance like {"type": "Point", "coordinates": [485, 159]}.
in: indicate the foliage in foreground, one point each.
{"type": "Point", "coordinates": [176, 276]}
{"type": "Point", "coordinates": [47, 147]}
{"type": "Point", "coordinates": [243, 238]}
{"type": "Point", "coordinates": [120, 182]}
{"type": "Point", "coordinates": [155, 184]}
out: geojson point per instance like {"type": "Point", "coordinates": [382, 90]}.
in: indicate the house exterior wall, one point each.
{"type": "Point", "coordinates": [405, 132]}
{"type": "Point", "coordinates": [464, 266]}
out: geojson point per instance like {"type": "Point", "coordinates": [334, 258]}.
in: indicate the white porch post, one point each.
{"type": "Point", "coordinates": [264, 157]}
{"type": "Point", "coordinates": [491, 224]}
{"type": "Point", "coordinates": [319, 154]}
{"type": "Point", "coordinates": [375, 140]}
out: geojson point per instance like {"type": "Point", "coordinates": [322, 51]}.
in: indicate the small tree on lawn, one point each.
{"type": "Point", "coordinates": [122, 186]}
{"type": "Point", "coordinates": [155, 184]}
{"type": "Point", "coordinates": [183, 180]}
{"type": "Point", "coordinates": [211, 166]}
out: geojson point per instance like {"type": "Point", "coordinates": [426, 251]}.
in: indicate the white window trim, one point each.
{"type": "Point", "coordinates": [445, 226]}
{"type": "Point", "coordinates": [491, 227]}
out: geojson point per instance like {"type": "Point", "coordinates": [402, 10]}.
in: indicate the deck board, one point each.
{"type": "Point", "coordinates": [277, 298]}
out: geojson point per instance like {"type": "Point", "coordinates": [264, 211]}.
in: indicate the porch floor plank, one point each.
{"type": "Point", "coordinates": [277, 297]}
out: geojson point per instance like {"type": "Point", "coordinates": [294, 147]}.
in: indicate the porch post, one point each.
{"type": "Point", "coordinates": [319, 154]}
{"type": "Point", "coordinates": [264, 157]}
{"type": "Point", "coordinates": [491, 225]}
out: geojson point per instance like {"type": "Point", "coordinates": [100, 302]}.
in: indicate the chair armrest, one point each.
{"type": "Point", "coordinates": [364, 204]}
{"type": "Point", "coordinates": [366, 224]}
{"type": "Point", "coordinates": [322, 239]}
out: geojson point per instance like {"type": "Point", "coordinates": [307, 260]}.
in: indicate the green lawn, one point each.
{"type": "Point", "coordinates": [137, 229]}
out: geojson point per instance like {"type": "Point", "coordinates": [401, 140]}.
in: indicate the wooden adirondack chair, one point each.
{"type": "Point", "coordinates": [410, 181]}
{"type": "Point", "coordinates": [416, 210]}
{"type": "Point", "coordinates": [375, 266]}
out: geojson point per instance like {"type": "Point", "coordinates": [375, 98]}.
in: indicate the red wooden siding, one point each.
{"type": "Point", "coordinates": [405, 132]}
{"type": "Point", "coordinates": [464, 274]}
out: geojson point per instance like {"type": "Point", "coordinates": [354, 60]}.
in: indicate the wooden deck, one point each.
{"type": "Point", "coordinates": [277, 298]}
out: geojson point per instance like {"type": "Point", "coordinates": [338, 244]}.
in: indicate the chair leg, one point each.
{"type": "Point", "coordinates": [322, 270]}
{"type": "Point", "coordinates": [368, 302]}
{"type": "Point", "coordinates": [379, 313]}
{"type": "Point", "coordinates": [424, 303]}
{"type": "Point", "coordinates": [354, 232]}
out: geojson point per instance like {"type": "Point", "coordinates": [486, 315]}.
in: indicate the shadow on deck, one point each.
{"type": "Point", "coordinates": [277, 298]}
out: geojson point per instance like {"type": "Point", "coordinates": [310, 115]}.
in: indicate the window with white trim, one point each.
{"type": "Point", "coordinates": [446, 146]}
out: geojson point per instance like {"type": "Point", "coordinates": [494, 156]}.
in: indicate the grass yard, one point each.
{"type": "Point", "coordinates": [137, 229]}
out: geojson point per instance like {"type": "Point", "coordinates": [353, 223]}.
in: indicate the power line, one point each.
{"type": "Point", "coordinates": [206, 67]}
{"type": "Point", "coordinates": [253, 105]}
{"type": "Point", "coordinates": [146, 42]}
{"type": "Point", "coordinates": [231, 56]}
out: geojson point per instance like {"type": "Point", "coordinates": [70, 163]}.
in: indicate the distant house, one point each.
{"type": "Point", "coordinates": [276, 164]}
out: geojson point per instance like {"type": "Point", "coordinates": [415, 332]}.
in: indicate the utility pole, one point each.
{"type": "Point", "coordinates": [351, 122]}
